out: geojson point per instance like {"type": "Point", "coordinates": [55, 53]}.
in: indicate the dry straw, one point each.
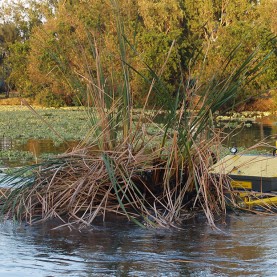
{"type": "Point", "coordinates": [155, 179]}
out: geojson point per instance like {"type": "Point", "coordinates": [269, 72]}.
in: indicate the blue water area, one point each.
{"type": "Point", "coordinates": [245, 246]}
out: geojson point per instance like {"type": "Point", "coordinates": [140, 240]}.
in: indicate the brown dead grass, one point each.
{"type": "Point", "coordinates": [262, 105]}
{"type": "Point", "coordinates": [16, 101]}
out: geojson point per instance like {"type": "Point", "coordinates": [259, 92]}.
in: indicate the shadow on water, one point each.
{"type": "Point", "coordinates": [245, 246]}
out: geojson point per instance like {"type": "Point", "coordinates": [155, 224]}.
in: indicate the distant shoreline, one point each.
{"type": "Point", "coordinates": [260, 105]}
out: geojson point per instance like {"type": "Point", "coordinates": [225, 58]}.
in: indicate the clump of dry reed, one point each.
{"type": "Point", "coordinates": [115, 169]}
{"type": "Point", "coordinates": [86, 183]}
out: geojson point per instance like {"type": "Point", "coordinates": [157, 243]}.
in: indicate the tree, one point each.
{"type": "Point", "coordinates": [18, 19]}
{"type": "Point", "coordinates": [57, 42]}
{"type": "Point", "coordinates": [225, 25]}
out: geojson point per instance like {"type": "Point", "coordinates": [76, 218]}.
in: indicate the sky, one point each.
{"type": "Point", "coordinates": [6, 1]}
{"type": "Point", "coordinates": [10, 1]}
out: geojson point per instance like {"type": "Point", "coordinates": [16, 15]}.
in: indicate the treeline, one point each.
{"type": "Point", "coordinates": [50, 48]}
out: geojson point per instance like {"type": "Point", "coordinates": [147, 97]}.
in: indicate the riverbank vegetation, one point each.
{"type": "Point", "coordinates": [35, 34]}
{"type": "Point", "coordinates": [154, 178]}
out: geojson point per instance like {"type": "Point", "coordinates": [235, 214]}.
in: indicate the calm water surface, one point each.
{"type": "Point", "coordinates": [262, 129]}
{"type": "Point", "coordinates": [245, 246]}
{"type": "Point", "coordinates": [247, 135]}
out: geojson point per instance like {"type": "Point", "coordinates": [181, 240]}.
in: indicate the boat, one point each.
{"type": "Point", "coordinates": [253, 178]}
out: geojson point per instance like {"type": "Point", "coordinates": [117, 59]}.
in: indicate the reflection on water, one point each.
{"type": "Point", "coordinates": [246, 246]}
{"type": "Point", "coordinates": [40, 146]}
{"type": "Point", "coordinates": [35, 149]}
{"type": "Point", "coordinates": [263, 129]}
{"type": "Point", "coordinates": [6, 143]}
{"type": "Point", "coordinates": [249, 136]}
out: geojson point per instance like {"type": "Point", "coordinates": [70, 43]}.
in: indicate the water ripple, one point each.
{"type": "Point", "coordinates": [246, 247]}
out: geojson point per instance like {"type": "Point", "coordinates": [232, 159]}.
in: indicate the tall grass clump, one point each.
{"type": "Point", "coordinates": [153, 178]}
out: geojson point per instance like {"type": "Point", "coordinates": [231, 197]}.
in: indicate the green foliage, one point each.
{"type": "Point", "coordinates": [49, 48]}
{"type": "Point", "coordinates": [17, 60]}
{"type": "Point", "coordinates": [16, 155]}
{"type": "Point", "coordinates": [18, 122]}
{"type": "Point", "coordinates": [47, 98]}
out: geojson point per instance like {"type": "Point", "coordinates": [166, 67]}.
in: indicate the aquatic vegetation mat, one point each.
{"type": "Point", "coordinates": [18, 122]}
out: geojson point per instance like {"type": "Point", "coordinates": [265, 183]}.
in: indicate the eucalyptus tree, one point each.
{"type": "Point", "coordinates": [9, 34]}
{"type": "Point", "coordinates": [57, 41]}
{"type": "Point", "coordinates": [222, 26]}
{"type": "Point", "coordinates": [59, 47]}
{"type": "Point", "coordinates": [18, 18]}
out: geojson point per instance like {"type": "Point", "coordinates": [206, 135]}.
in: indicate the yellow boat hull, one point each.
{"type": "Point", "coordinates": [262, 202]}
{"type": "Point", "coordinates": [251, 200]}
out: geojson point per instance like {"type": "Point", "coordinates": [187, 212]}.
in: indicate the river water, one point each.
{"type": "Point", "coordinates": [245, 136]}
{"type": "Point", "coordinates": [264, 129]}
{"type": "Point", "coordinates": [245, 245]}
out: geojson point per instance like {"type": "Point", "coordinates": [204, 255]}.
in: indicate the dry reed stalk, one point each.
{"type": "Point", "coordinates": [81, 187]}
{"type": "Point", "coordinates": [3, 192]}
{"type": "Point", "coordinates": [210, 189]}
{"type": "Point", "coordinates": [109, 173]}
